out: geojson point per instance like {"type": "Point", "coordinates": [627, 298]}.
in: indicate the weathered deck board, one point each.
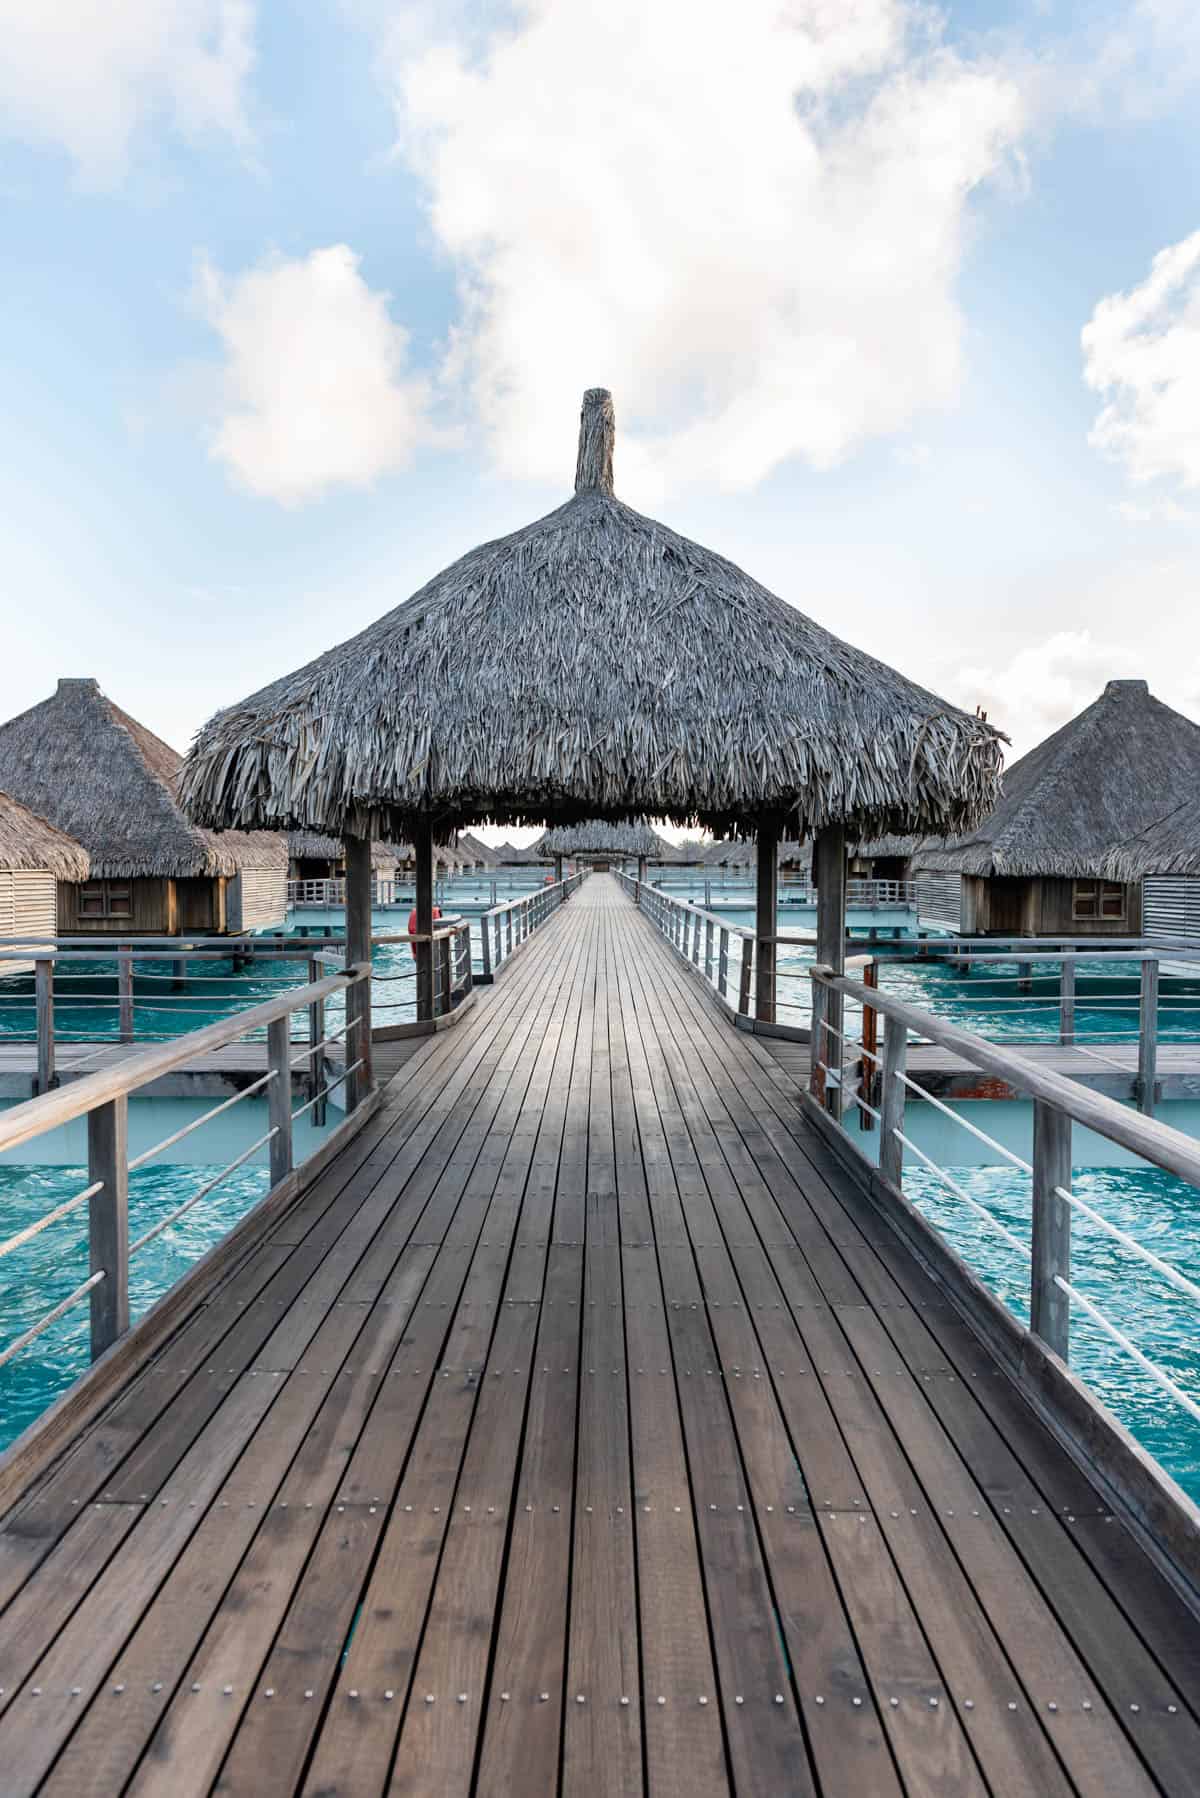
{"type": "Point", "coordinates": [583, 1429]}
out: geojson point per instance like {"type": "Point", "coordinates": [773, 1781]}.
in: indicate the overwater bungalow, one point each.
{"type": "Point", "coordinates": [314, 856]}
{"type": "Point", "coordinates": [34, 858]}
{"type": "Point", "coordinates": [474, 853]}
{"type": "Point", "coordinates": [100, 777]}
{"type": "Point", "coordinates": [1165, 858]}
{"type": "Point", "coordinates": [1039, 864]}
{"type": "Point", "coordinates": [883, 858]}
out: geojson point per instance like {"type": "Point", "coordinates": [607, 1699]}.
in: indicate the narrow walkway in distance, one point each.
{"type": "Point", "coordinates": [583, 1429]}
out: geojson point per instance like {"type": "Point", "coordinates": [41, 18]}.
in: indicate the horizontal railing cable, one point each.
{"type": "Point", "coordinates": [51, 1317]}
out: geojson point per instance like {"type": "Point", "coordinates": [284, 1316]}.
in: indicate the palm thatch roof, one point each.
{"type": "Point", "coordinates": [29, 842]}
{"type": "Point", "coordinates": [594, 664]}
{"type": "Point", "coordinates": [1171, 845]}
{"type": "Point", "coordinates": [1094, 783]}
{"type": "Point", "coordinates": [598, 837]}
{"type": "Point", "coordinates": [516, 855]}
{"type": "Point", "coordinates": [312, 846]}
{"type": "Point", "coordinates": [741, 854]}
{"type": "Point", "coordinates": [97, 774]}
{"type": "Point", "coordinates": [893, 848]}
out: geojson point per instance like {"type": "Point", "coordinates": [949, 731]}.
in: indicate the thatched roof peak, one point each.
{"type": "Point", "coordinates": [1094, 783]}
{"type": "Point", "coordinates": [29, 842]}
{"type": "Point", "coordinates": [98, 775]}
{"type": "Point", "coordinates": [594, 664]}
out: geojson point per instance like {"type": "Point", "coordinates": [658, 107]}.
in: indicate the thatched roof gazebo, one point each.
{"type": "Point", "coordinates": [98, 775]}
{"type": "Point", "coordinates": [594, 664]}
{"type": "Point", "coordinates": [597, 840]}
{"type": "Point", "coordinates": [34, 857]}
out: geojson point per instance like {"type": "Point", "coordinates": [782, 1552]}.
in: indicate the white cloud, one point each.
{"type": "Point", "coordinates": [1142, 352]}
{"type": "Point", "coordinates": [316, 392]}
{"type": "Point", "coordinates": [1166, 511]}
{"type": "Point", "coordinates": [747, 221]}
{"type": "Point", "coordinates": [85, 76]}
{"type": "Point", "coordinates": [1044, 683]}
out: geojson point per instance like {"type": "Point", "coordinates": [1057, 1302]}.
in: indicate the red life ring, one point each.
{"type": "Point", "coordinates": [412, 925]}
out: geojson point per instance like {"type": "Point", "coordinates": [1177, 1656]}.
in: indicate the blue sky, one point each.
{"type": "Point", "coordinates": [299, 302]}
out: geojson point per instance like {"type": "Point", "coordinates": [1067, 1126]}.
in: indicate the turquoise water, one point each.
{"type": "Point", "coordinates": [35, 1277]}
{"type": "Point", "coordinates": [1155, 1209]}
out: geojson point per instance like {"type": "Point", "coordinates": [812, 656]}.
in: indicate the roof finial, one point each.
{"type": "Point", "coordinates": [597, 430]}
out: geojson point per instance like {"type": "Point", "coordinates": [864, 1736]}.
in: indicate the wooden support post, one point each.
{"type": "Point", "coordinates": [316, 1056]}
{"type": "Point", "coordinates": [1066, 1000]}
{"type": "Point", "coordinates": [1147, 1074]}
{"type": "Point", "coordinates": [766, 927]}
{"type": "Point", "coordinates": [558, 869]}
{"type": "Point", "coordinates": [641, 873]}
{"type": "Point", "coordinates": [485, 947]}
{"type": "Point", "coordinates": [1024, 976]}
{"type": "Point", "coordinates": [829, 866]}
{"type": "Point", "coordinates": [108, 1221]}
{"type": "Point", "coordinates": [358, 954]}
{"type": "Point", "coordinates": [893, 1100]}
{"type": "Point", "coordinates": [43, 978]}
{"type": "Point", "coordinates": [279, 1097]}
{"type": "Point", "coordinates": [179, 972]}
{"type": "Point", "coordinates": [723, 963]}
{"type": "Point", "coordinates": [125, 992]}
{"type": "Point", "coordinates": [423, 846]}
{"type": "Point", "coordinates": [1049, 1305]}
{"type": "Point", "coordinates": [868, 1080]}
{"type": "Point", "coordinates": [708, 948]}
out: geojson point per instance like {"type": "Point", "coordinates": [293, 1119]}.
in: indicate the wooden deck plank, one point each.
{"type": "Point", "coordinates": [793, 1484]}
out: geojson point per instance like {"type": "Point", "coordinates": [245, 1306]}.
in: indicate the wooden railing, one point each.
{"type": "Point", "coordinates": [504, 928]}
{"type": "Point", "coordinates": [1058, 1104]}
{"type": "Point", "coordinates": [103, 1099]}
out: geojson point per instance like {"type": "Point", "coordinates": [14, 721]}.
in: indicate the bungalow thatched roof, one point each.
{"type": "Point", "coordinates": [110, 783]}
{"type": "Point", "coordinates": [29, 842]}
{"type": "Point", "coordinates": [598, 837]}
{"type": "Point", "coordinates": [1096, 782]}
{"type": "Point", "coordinates": [312, 846]}
{"type": "Point", "coordinates": [594, 664]}
{"type": "Point", "coordinates": [1171, 845]}
{"type": "Point", "coordinates": [473, 849]}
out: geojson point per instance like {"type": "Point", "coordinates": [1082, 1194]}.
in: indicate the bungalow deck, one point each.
{"type": "Point", "coordinates": [583, 1428]}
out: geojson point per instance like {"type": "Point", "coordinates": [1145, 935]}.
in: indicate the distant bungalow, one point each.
{"type": "Point", "coordinates": [102, 778]}
{"type": "Point", "coordinates": [34, 858]}
{"type": "Point", "coordinates": [1039, 864]}
{"type": "Point", "coordinates": [312, 856]}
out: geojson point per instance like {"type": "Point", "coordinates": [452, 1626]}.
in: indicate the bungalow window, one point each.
{"type": "Point", "coordinates": [105, 899]}
{"type": "Point", "coordinates": [1098, 901]}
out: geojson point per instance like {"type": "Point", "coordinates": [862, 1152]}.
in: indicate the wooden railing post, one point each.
{"type": "Point", "coordinates": [279, 1097]}
{"type": "Point", "coordinates": [358, 954]}
{"type": "Point", "coordinates": [816, 1044]}
{"type": "Point", "coordinates": [868, 1080]}
{"type": "Point", "coordinates": [708, 948]}
{"type": "Point", "coordinates": [485, 948]}
{"type": "Point", "coordinates": [1066, 1000]}
{"type": "Point", "coordinates": [695, 939]}
{"type": "Point", "coordinates": [108, 1221]}
{"type": "Point", "coordinates": [747, 975]}
{"type": "Point", "coordinates": [893, 1100]}
{"type": "Point", "coordinates": [445, 975]}
{"type": "Point", "coordinates": [723, 963]}
{"type": "Point", "coordinates": [43, 975]}
{"type": "Point", "coordinates": [316, 1055]}
{"type": "Point", "coordinates": [1147, 1074]}
{"type": "Point", "coordinates": [125, 992]}
{"type": "Point", "coordinates": [1049, 1305]}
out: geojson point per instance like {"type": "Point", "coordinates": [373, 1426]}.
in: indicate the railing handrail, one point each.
{"type": "Point", "coordinates": [62, 1105]}
{"type": "Point", "coordinates": [544, 887]}
{"type": "Point", "coordinates": [1149, 1138]}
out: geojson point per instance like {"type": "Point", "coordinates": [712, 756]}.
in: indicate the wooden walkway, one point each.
{"type": "Point", "coordinates": [583, 1430]}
